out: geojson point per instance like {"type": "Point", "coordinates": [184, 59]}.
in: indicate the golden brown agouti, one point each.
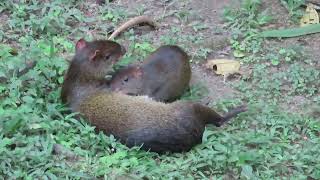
{"type": "Point", "coordinates": [136, 120]}
{"type": "Point", "coordinates": [82, 73]}
{"type": "Point", "coordinates": [164, 75]}
{"type": "Point", "coordinates": [160, 127]}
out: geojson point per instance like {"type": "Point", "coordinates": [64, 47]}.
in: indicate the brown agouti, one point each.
{"type": "Point", "coordinates": [164, 75]}
{"type": "Point", "coordinates": [160, 127]}
{"type": "Point", "coordinates": [136, 120]}
{"type": "Point", "coordinates": [89, 56]}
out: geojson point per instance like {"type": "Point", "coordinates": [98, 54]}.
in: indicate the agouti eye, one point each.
{"type": "Point", "coordinates": [107, 57]}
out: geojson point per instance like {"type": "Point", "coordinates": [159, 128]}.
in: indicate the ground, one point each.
{"type": "Point", "coordinates": [210, 13]}
{"type": "Point", "coordinates": [278, 137]}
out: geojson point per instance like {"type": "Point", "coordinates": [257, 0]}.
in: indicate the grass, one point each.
{"type": "Point", "coordinates": [267, 142]}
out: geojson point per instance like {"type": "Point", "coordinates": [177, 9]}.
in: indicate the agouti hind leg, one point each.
{"type": "Point", "coordinates": [208, 115]}
{"type": "Point", "coordinates": [162, 140]}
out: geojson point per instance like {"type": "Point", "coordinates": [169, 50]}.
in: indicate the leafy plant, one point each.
{"type": "Point", "coordinates": [293, 8]}
{"type": "Point", "coordinates": [247, 16]}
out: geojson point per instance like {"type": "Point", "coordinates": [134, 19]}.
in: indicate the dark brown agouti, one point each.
{"type": "Point", "coordinates": [136, 120]}
{"type": "Point", "coordinates": [164, 75]}
{"type": "Point", "coordinates": [89, 56]}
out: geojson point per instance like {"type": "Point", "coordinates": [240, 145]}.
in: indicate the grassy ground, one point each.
{"type": "Point", "coordinates": [278, 138]}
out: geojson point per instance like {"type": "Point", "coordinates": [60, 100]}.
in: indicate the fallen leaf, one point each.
{"type": "Point", "coordinates": [310, 17]}
{"type": "Point", "coordinates": [224, 66]}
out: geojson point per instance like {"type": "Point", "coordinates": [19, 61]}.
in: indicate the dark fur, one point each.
{"type": "Point", "coordinates": [164, 76]}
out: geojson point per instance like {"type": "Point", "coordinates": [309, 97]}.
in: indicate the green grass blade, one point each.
{"type": "Point", "coordinates": [293, 32]}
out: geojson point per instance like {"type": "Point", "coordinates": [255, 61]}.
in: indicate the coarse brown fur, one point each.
{"type": "Point", "coordinates": [160, 127]}
{"type": "Point", "coordinates": [137, 120]}
{"type": "Point", "coordinates": [164, 75]}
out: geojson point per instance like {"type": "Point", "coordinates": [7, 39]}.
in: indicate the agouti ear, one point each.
{"type": "Point", "coordinates": [94, 55]}
{"type": "Point", "coordinates": [81, 44]}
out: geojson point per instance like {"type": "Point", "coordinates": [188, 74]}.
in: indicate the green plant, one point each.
{"type": "Point", "coordinates": [182, 15]}
{"type": "Point", "coordinates": [293, 8]}
{"type": "Point", "coordinates": [303, 79]}
{"type": "Point", "coordinates": [244, 23]}
{"type": "Point", "coordinates": [198, 26]}
{"type": "Point", "coordinates": [195, 92]}
{"type": "Point", "coordinates": [247, 16]}
{"type": "Point", "coordinates": [143, 48]}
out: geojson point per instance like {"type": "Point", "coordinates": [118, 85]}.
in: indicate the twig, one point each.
{"type": "Point", "coordinates": [132, 22]}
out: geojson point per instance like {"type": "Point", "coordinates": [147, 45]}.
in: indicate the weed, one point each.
{"type": "Point", "coordinates": [244, 23]}
{"type": "Point", "coordinates": [293, 8]}
{"type": "Point", "coordinates": [195, 92]}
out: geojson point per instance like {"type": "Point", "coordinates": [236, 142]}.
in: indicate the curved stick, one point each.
{"type": "Point", "coordinates": [131, 23]}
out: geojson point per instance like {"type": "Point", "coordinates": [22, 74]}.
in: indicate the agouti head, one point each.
{"type": "Point", "coordinates": [128, 80]}
{"type": "Point", "coordinates": [96, 58]}
{"type": "Point", "coordinates": [92, 62]}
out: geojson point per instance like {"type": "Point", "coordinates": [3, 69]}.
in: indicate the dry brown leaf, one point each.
{"type": "Point", "coordinates": [224, 67]}
{"type": "Point", "coordinates": [311, 16]}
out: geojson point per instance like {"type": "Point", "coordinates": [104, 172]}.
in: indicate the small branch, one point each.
{"type": "Point", "coordinates": [132, 22]}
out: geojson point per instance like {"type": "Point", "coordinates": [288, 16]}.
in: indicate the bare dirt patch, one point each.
{"type": "Point", "coordinates": [211, 11]}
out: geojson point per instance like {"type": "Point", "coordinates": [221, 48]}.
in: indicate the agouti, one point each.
{"type": "Point", "coordinates": [89, 56]}
{"type": "Point", "coordinates": [160, 127]}
{"type": "Point", "coordinates": [164, 75]}
{"type": "Point", "coordinates": [136, 120]}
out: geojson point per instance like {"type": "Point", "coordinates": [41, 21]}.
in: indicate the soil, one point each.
{"type": "Point", "coordinates": [209, 12]}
